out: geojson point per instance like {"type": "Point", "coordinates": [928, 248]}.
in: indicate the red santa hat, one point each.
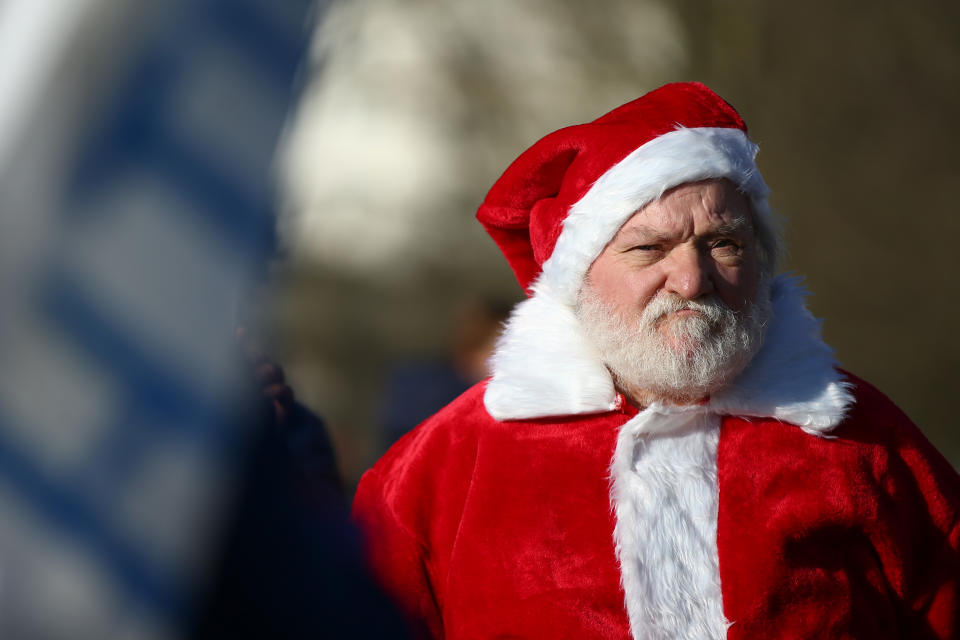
{"type": "Point", "coordinates": [558, 205]}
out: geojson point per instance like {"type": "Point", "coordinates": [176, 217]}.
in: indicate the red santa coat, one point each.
{"type": "Point", "coordinates": [605, 525]}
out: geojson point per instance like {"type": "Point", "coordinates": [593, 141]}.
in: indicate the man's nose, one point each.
{"type": "Point", "coordinates": [688, 274]}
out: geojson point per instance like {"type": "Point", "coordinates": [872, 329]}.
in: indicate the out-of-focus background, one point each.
{"type": "Point", "coordinates": [310, 170]}
{"type": "Point", "coordinates": [414, 108]}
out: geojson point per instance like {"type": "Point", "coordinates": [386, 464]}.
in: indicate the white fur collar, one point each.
{"type": "Point", "coordinates": [544, 366]}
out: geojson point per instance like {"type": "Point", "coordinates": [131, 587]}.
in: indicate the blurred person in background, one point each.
{"type": "Point", "coordinates": [289, 563]}
{"type": "Point", "coordinates": [415, 390]}
{"type": "Point", "coordinates": [665, 448]}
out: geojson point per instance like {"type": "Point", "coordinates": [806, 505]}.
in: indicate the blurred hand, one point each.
{"type": "Point", "coordinates": [268, 376]}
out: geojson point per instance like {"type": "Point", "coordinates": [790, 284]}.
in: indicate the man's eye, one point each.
{"type": "Point", "coordinates": [646, 247]}
{"type": "Point", "coordinates": [725, 244]}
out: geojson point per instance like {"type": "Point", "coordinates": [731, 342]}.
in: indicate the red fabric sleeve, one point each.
{"type": "Point", "coordinates": [397, 557]}
{"type": "Point", "coordinates": [928, 494]}
{"type": "Point", "coordinates": [941, 607]}
{"type": "Point", "coordinates": [409, 508]}
{"type": "Point", "coordinates": [852, 536]}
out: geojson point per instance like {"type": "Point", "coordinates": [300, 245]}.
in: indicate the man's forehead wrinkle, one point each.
{"type": "Point", "coordinates": [704, 209]}
{"type": "Point", "coordinates": [719, 225]}
{"type": "Point", "coordinates": [643, 232]}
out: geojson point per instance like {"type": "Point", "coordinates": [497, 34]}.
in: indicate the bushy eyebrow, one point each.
{"type": "Point", "coordinates": [740, 224]}
{"type": "Point", "coordinates": [642, 233]}
{"type": "Point", "coordinates": [648, 235]}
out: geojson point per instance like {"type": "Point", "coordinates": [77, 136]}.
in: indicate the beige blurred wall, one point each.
{"type": "Point", "coordinates": [416, 107]}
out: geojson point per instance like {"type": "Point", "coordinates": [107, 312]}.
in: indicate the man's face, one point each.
{"type": "Point", "coordinates": [695, 241]}
{"type": "Point", "coordinates": [670, 301]}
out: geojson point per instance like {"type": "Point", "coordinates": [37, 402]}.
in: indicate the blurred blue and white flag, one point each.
{"type": "Point", "coordinates": [136, 170]}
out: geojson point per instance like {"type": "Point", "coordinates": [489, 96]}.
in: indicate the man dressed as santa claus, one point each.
{"type": "Point", "coordinates": [666, 448]}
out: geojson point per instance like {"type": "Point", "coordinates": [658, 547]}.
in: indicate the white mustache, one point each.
{"type": "Point", "coordinates": [663, 303]}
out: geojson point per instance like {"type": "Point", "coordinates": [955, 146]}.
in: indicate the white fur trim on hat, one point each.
{"type": "Point", "coordinates": [682, 155]}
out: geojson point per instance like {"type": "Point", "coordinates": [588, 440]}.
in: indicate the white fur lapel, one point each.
{"type": "Point", "coordinates": [544, 366]}
{"type": "Point", "coordinates": [794, 377]}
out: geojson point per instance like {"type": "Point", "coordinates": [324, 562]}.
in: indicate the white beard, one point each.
{"type": "Point", "coordinates": [683, 361]}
